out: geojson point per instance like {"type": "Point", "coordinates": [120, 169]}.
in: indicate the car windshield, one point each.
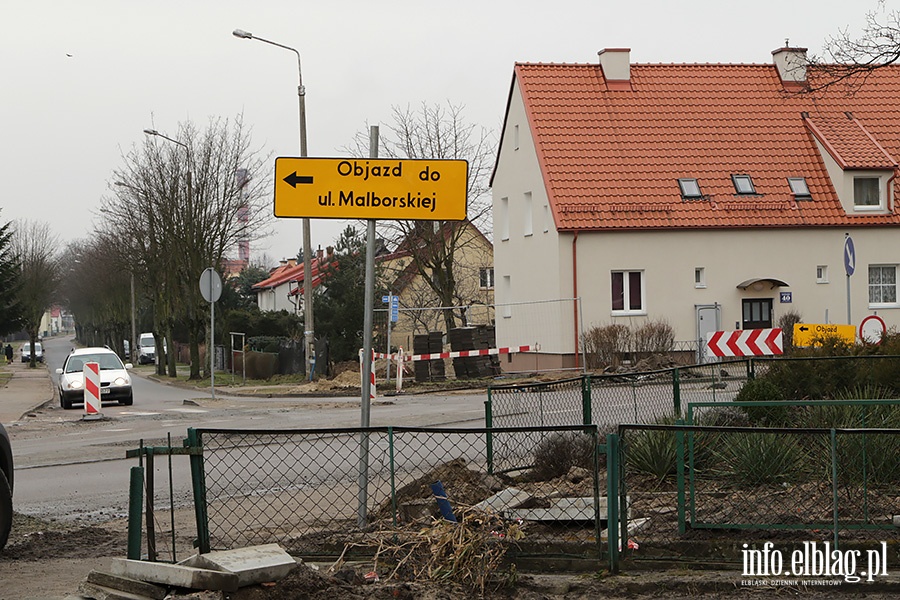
{"type": "Point", "coordinates": [107, 362]}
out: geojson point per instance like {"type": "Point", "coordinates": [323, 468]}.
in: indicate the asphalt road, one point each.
{"type": "Point", "coordinates": [70, 469]}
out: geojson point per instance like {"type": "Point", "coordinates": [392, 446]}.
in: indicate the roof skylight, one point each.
{"type": "Point", "coordinates": [689, 188]}
{"type": "Point", "coordinates": [743, 184]}
{"type": "Point", "coordinates": [799, 187]}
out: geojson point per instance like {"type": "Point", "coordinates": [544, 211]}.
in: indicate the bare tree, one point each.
{"type": "Point", "coordinates": [437, 131]}
{"type": "Point", "coordinates": [178, 208]}
{"type": "Point", "coordinates": [848, 60]}
{"type": "Point", "coordinates": [36, 248]}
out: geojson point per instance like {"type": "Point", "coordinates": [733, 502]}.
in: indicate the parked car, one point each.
{"type": "Point", "coordinates": [146, 349]}
{"type": "Point", "coordinates": [38, 352]}
{"type": "Point", "coordinates": [6, 486]}
{"type": "Point", "coordinates": [115, 381]}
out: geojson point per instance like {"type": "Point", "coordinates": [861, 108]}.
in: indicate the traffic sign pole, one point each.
{"type": "Point", "coordinates": [365, 402]}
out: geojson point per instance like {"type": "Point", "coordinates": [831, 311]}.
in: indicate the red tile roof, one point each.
{"type": "Point", "coordinates": [610, 159]}
{"type": "Point", "coordinates": [285, 273]}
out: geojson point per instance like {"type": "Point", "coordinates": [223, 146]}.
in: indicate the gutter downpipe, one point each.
{"type": "Point", "coordinates": [575, 290]}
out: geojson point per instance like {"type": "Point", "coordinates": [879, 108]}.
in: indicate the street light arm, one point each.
{"type": "Point", "coordinates": [246, 35]}
{"type": "Point", "coordinates": [165, 137]}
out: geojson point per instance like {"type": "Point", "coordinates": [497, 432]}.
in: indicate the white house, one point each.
{"type": "Point", "coordinates": [709, 196]}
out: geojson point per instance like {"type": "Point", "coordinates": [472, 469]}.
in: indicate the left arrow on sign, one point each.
{"type": "Point", "coordinates": [293, 179]}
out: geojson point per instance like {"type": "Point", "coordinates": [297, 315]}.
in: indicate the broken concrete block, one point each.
{"type": "Point", "coordinates": [99, 592]}
{"type": "Point", "coordinates": [125, 584]}
{"type": "Point", "coordinates": [256, 564]}
{"type": "Point", "coordinates": [503, 500]}
{"type": "Point", "coordinates": [175, 575]}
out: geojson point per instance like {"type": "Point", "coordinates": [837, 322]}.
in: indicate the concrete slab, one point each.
{"type": "Point", "coordinates": [99, 592]}
{"type": "Point", "coordinates": [503, 500]}
{"type": "Point", "coordinates": [256, 564]}
{"type": "Point", "coordinates": [175, 575]}
{"type": "Point", "coordinates": [563, 509]}
{"type": "Point", "coordinates": [126, 584]}
{"type": "Point", "coordinates": [633, 527]}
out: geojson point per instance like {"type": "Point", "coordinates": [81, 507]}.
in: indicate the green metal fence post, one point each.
{"type": "Point", "coordinates": [587, 414]}
{"type": "Point", "coordinates": [489, 437]}
{"type": "Point", "coordinates": [198, 483]}
{"type": "Point", "coordinates": [135, 509]}
{"type": "Point", "coordinates": [834, 484]}
{"type": "Point", "coordinates": [612, 500]}
{"type": "Point", "coordinates": [679, 453]}
{"type": "Point", "coordinates": [392, 474]}
{"type": "Point", "coordinates": [676, 391]}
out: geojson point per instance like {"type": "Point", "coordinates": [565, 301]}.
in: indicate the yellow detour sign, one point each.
{"type": "Point", "coordinates": [806, 333]}
{"type": "Point", "coordinates": [371, 188]}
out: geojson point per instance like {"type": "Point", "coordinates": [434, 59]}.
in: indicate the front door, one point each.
{"type": "Point", "coordinates": [757, 313]}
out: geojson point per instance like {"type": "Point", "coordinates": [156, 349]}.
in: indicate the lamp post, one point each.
{"type": "Point", "coordinates": [132, 346]}
{"type": "Point", "coordinates": [170, 356]}
{"type": "Point", "coordinates": [308, 334]}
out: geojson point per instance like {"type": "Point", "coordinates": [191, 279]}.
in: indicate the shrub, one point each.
{"type": "Point", "coordinates": [653, 452]}
{"type": "Point", "coordinates": [763, 390]}
{"type": "Point", "coordinates": [654, 337]}
{"type": "Point", "coordinates": [759, 458]}
{"type": "Point", "coordinates": [559, 452]}
{"type": "Point", "coordinates": [604, 345]}
{"type": "Point", "coordinates": [786, 323]}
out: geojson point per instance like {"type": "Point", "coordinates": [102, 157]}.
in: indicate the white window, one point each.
{"type": "Point", "coordinates": [503, 219]}
{"type": "Point", "coordinates": [486, 277]}
{"type": "Point", "coordinates": [866, 193]}
{"type": "Point", "coordinates": [822, 274]}
{"type": "Point", "coordinates": [743, 184]}
{"type": "Point", "coordinates": [628, 292]}
{"type": "Point", "coordinates": [528, 222]}
{"type": "Point", "coordinates": [882, 285]}
{"type": "Point", "coordinates": [515, 137]}
{"type": "Point", "coordinates": [798, 187]}
{"type": "Point", "coordinates": [507, 291]}
{"type": "Point", "coordinates": [699, 277]}
{"type": "Point", "coordinates": [689, 188]}
{"type": "Point", "coordinates": [548, 218]}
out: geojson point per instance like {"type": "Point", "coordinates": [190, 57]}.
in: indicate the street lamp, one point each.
{"type": "Point", "coordinates": [308, 336]}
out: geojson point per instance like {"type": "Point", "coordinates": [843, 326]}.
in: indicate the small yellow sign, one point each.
{"type": "Point", "coordinates": [371, 188]}
{"type": "Point", "coordinates": [806, 333]}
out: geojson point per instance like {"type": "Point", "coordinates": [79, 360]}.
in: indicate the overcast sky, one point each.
{"type": "Point", "coordinates": [80, 80]}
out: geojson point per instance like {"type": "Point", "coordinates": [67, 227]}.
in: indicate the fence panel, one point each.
{"type": "Point", "coordinates": [694, 492]}
{"type": "Point", "coordinates": [303, 489]}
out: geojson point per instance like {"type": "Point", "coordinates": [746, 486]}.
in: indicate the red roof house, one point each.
{"type": "Point", "coordinates": [656, 192]}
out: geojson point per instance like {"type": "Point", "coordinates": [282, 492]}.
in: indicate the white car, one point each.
{"type": "Point", "coordinates": [38, 352]}
{"type": "Point", "coordinates": [115, 381]}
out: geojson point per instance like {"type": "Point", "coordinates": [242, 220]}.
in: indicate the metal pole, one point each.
{"type": "Point", "coordinates": [132, 346]}
{"type": "Point", "coordinates": [367, 352]}
{"type": "Point", "coordinates": [308, 325]}
{"type": "Point", "coordinates": [212, 337]}
{"type": "Point", "coordinates": [388, 351]}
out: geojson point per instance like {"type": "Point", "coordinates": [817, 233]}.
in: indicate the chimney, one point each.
{"type": "Point", "coordinates": [616, 66]}
{"type": "Point", "coordinates": [329, 252]}
{"type": "Point", "coordinates": [791, 64]}
{"type": "Point", "coordinates": [291, 262]}
{"type": "Point", "coordinates": [319, 253]}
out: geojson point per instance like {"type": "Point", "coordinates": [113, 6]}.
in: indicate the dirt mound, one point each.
{"type": "Point", "coordinates": [464, 487]}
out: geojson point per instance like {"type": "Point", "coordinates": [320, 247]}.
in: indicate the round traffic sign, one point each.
{"type": "Point", "coordinates": [210, 285]}
{"type": "Point", "coordinates": [849, 256]}
{"type": "Point", "coordinates": [871, 329]}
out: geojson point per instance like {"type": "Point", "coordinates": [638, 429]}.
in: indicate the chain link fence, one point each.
{"type": "Point", "coordinates": [315, 491]}
{"type": "Point", "coordinates": [699, 493]}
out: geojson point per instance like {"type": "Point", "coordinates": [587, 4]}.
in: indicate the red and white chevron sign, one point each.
{"type": "Point", "coordinates": [745, 342]}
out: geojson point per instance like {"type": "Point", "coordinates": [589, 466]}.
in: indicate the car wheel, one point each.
{"type": "Point", "coordinates": [127, 401]}
{"type": "Point", "coordinates": [6, 510]}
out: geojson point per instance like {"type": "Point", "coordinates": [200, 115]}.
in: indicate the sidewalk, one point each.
{"type": "Point", "coordinates": [27, 390]}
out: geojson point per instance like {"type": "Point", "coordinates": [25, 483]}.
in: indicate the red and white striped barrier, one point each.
{"type": "Point", "coordinates": [745, 342]}
{"type": "Point", "coordinates": [91, 374]}
{"type": "Point", "coordinates": [400, 357]}
{"type": "Point", "coordinates": [461, 353]}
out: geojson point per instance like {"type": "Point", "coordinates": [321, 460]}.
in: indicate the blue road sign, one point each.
{"type": "Point", "coordinates": [849, 256]}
